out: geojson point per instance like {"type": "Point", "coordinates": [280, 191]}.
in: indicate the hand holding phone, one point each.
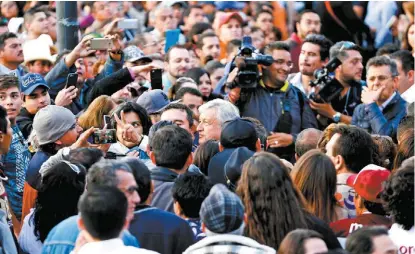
{"type": "Point", "coordinates": [101, 44]}
{"type": "Point", "coordinates": [71, 80]}
{"type": "Point", "coordinates": [105, 136]}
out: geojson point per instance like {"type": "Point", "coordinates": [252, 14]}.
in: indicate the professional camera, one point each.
{"type": "Point", "coordinates": [247, 62]}
{"type": "Point", "coordinates": [327, 86]}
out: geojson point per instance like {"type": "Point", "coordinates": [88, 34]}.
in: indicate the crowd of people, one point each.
{"type": "Point", "coordinates": [280, 127]}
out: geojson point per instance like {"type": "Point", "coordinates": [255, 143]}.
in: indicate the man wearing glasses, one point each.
{"type": "Point", "coordinates": [383, 107]}
{"type": "Point", "coordinates": [281, 107]}
{"type": "Point", "coordinates": [349, 74]}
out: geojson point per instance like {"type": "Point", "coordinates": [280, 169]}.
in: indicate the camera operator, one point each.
{"type": "Point", "coordinates": [349, 74]}
{"type": "Point", "coordinates": [281, 108]}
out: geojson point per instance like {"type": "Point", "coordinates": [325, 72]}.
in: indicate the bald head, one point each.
{"type": "Point", "coordinates": [307, 140]}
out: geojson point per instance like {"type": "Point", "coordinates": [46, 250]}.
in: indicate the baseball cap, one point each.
{"type": "Point", "coordinates": [52, 122]}
{"type": "Point", "coordinates": [225, 18]}
{"type": "Point", "coordinates": [133, 53]}
{"type": "Point", "coordinates": [237, 133]}
{"type": "Point", "coordinates": [233, 167]}
{"type": "Point", "coordinates": [368, 183]}
{"type": "Point", "coordinates": [153, 101]}
{"type": "Point", "coordinates": [229, 5]}
{"type": "Point", "coordinates": [31, 81]}
{"type": "Point", "coordinates": [222, 211]}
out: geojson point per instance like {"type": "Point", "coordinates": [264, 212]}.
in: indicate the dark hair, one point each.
{"type": "Point", "coordinates": [196, 73]}
{"type": "Point", "coordinates": [103, 212]}
{"type": "Point", "coordinates": [387, 49]}
{"type": "Point", "coordinates": [177, 46]}
{"type": "Point", "coordinates": [85, 156]}
{"type": "Point", "coordinates": [58, 196]}
{"type": "Point", "coordinates": [256, 29]}
{"type": "Point", "coordinates": [294, 241]}
{"type": "Point", "coordinates": [276, 45]}
{"type": "Point", "coordinates": [301, 14]}
{"type": "Point", "coordinates": [263, 11]}
{"type": "Point", "coordinates": [103, 173]}
{"type": "Point", "coordinates": [184, 90]}
{"type": "Point", "coordinates": [29, 14]}
{"type": "Point", "coordinates": [382, 61]}
{"type": "Point", "coordinates": [157, 126]}
{"type": "Point", "coordinates": [171, 146]}
{"type": "Point", "coordinates": [189, 190]}
{"type": "Point", "coordinates": [197, 29]}
{"type": "Point", "coordinates": [235, 43]}
{"type": "Point", "coordinates": [128, 107]}
{"type": "Point", "coordinates": [5, 36]}
{"type": "Point", "coordinates": [361, 240]}
{"type": "Point", "coordinates": [261, 132]}
{"type": "Point", "coordinates": [306, 140]}
{"type": "Point", "coordinates": [406, 123]}
{"type": "Point", "coordinates": [398, 195]}
{"type": "Point", "coordinates": [386, 150]}
{"type": "Point", "coordinates": [406, 58]}
{"type": "Point", "coordinates": [183, 108]}
{"type": "Point", "coordinates": [189, 9]}
{"type": "Point", "coordinates": [204, 153]}
{"type": "Point", "coordinates": [375, 208]}
{"type": "Point", "coordinates": [273, 204]}
{"type": "Point", "coordinates": [3, 120]}
{"type": "Point", "coordinates": [142, 177]}
{"type": "Point", "coordinates": [315, 177]}
{"type": "Point", "coordinates": [7, 81]}
{"type": "Point", "coordinates": [172, 93]}
{"type": "Point", "coordinates": [321, 41]}
{"type": "Point", "coordinates": [405, 148]}
{"type": "Point", "coordinates": [405, 42]}
{"type": "Point", "coordinates": [355, 145]}
{"type": "Point", "coordinates": [199, 43]}
{"type": "Point", "coordinates": [213, 65]}
{"type": "Point", "coordinates": [335, 49]}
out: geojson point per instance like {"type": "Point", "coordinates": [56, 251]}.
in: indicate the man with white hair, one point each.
{"type": "Point", "coordinates": [212, 116]}
{"type": "Point", "coordinates": [223, 221]}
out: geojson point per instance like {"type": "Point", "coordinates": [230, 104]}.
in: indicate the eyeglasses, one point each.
{"type": "Point", "coordinates": [282, 61]}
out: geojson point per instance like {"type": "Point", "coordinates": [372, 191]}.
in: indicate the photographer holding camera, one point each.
{"type": "Point", "coordinates": [348, 74]}
{"type": "Point", "coordinates": [282, 108]}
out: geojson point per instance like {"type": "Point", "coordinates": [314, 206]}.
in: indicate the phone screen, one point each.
{"type": "Point", "coordinates": [156, 79]}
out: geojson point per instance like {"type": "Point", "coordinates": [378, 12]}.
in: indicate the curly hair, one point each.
{"type": "Point", "coordinates": [398, 195]}
{"type": "Point", "coordinates": [272, 203]}
{"type": "Point", "coordinates": [315, 176]}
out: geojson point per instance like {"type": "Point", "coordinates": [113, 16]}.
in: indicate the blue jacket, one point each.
{"type": "Point", "coordinates": [163, 179]}
{"type": "Point", "coordinates": [161, 231]}
{"type": "Point", "coordinates": [375, 121]}
{"type": "Point", "coordinates": [62, 238]}
{"type": "Point", "coordinates": [267, 106]}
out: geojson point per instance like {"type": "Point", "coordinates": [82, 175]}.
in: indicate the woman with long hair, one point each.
{"type": "Point", "coordinates": [204, 153]}
{"type": "Point", "coordinates": [94, 114]}
{"type": "Point", "coordinates": [273, 205]}
{"type": "Point", "coordinates": [405, 149]}
{"type": "Point", "coordinates": [408, 41]}
{"type": "Point", "coordinates": [57, 200]}
{"type": "Point", "coordinates": [315, 177]}
{"type": "Point", "coordinates": [204, 84]}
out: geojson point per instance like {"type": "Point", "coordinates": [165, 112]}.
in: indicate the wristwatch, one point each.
{"type": "Point", "coordinates": [336, 117]}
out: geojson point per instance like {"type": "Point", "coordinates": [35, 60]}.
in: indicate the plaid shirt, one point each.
{"type": "Point", "coordinates": [230, 244]}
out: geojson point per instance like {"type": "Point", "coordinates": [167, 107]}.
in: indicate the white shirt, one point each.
{"type": "Point", "coordinates": [409, 94]}
{"type": "Point", "coordinates": [112, 246]}
{"type": "Point", "coordinates": [404, 239]}
{"type": "Point", "coordinates": [383, 106]}
{"type": "Point", "coordinates": [27, 239]}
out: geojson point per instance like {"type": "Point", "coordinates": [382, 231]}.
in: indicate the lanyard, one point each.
{"type": "Point", "coordinates": [347, 100]}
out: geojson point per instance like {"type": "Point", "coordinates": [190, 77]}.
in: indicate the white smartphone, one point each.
{"type": "Point", "coordinates": [101, 43]}
{"type": "Point", "coordinates": [128, 24]}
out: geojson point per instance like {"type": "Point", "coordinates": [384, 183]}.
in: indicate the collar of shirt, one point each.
{"type": "Point", "coordinates": [102, 246]}
{"type": "Point", "coordinates": [383, 106]}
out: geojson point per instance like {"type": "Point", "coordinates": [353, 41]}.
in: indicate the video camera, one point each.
{"type": "Point", "coordinates": [328, 87]}
{"type": "Point", "coordinates": [247, 62]}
